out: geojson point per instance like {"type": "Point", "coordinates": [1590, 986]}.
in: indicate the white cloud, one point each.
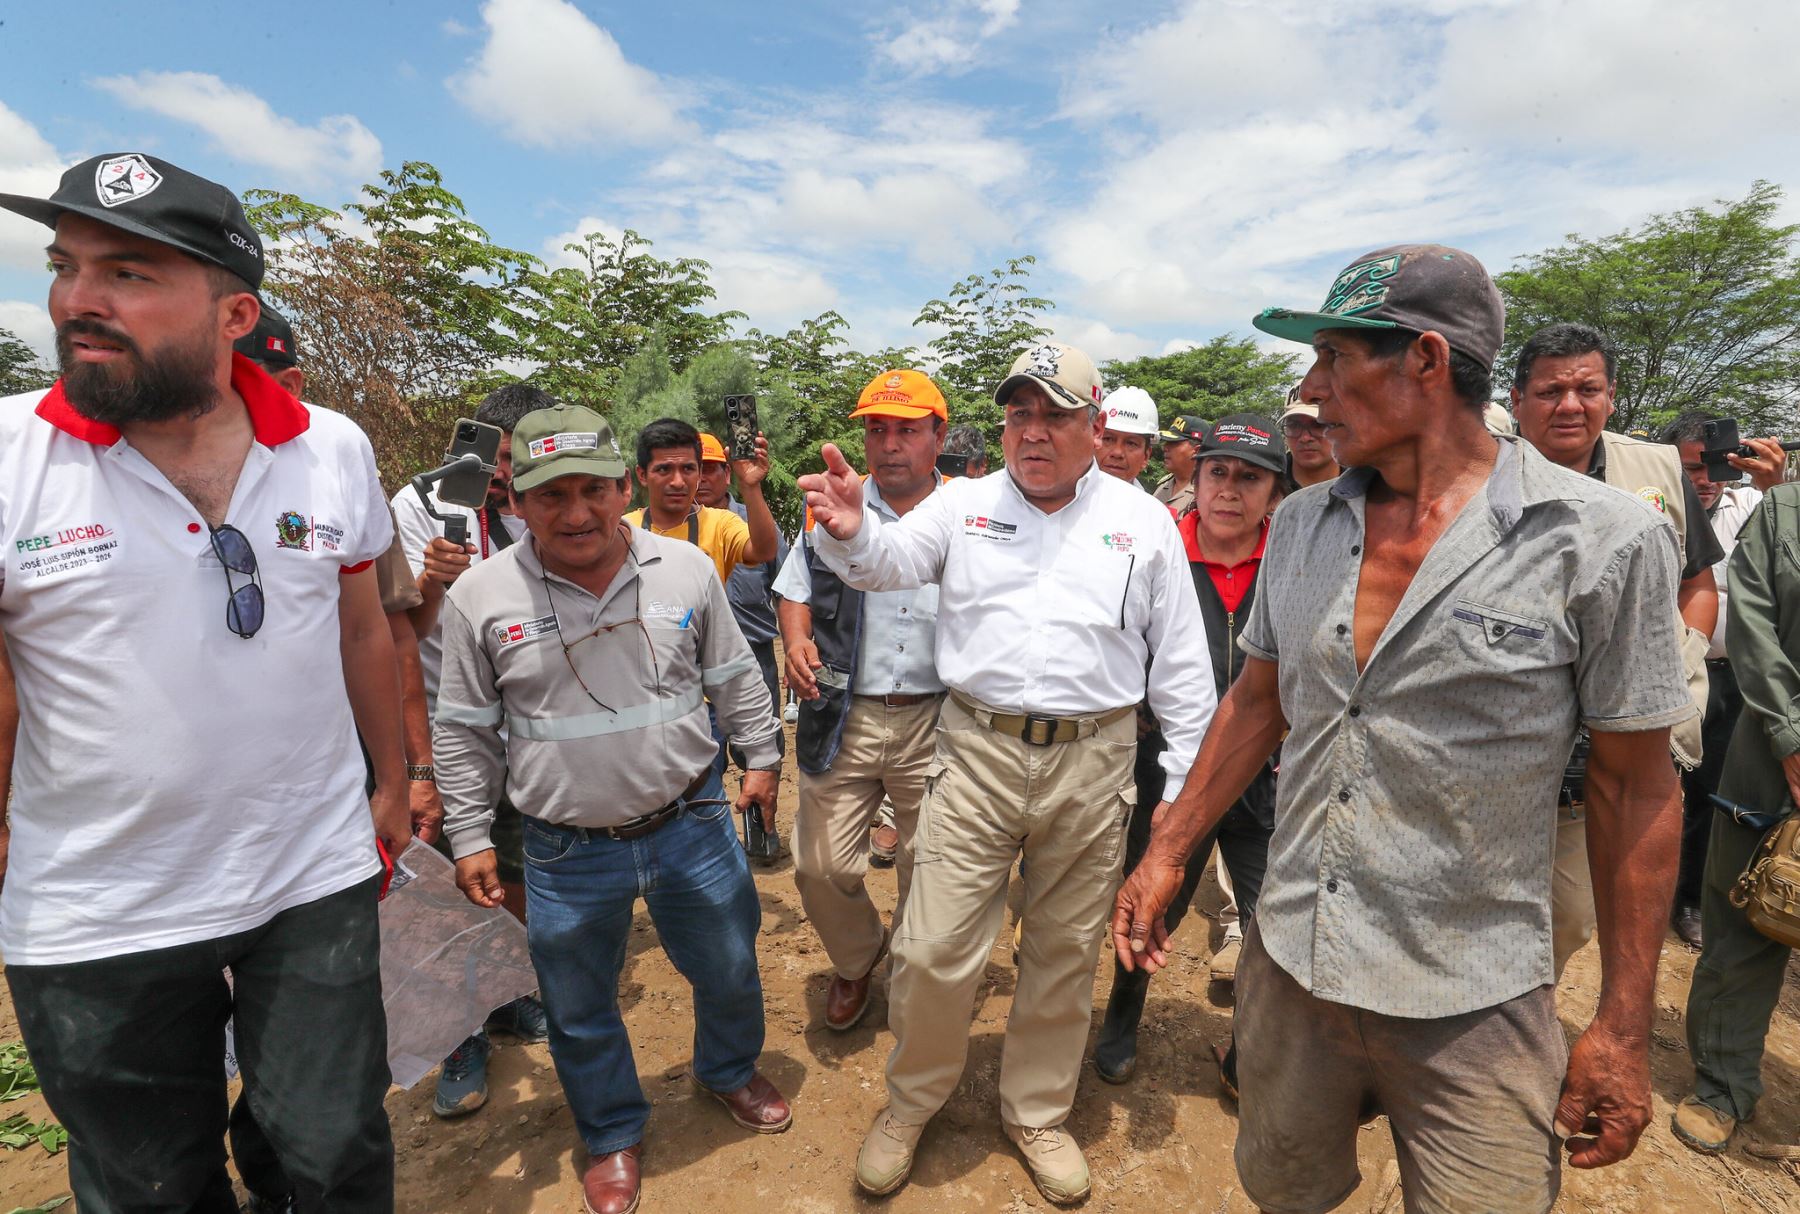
{"type": "Point", "coordinates": [30, 323]}
{"type": "Point", "coordinates": [1097, 339]}
{"type": "Point", "coordinates": [336, 149]}
{"type": "Point", "coordinates": [454, 28]}
{"type": "Point", "coordinates": [948, 38]}
{"type": "Point", "coordinates": [549, 77]}
{"type": "Point", "coordinates": [29, 166]}
{"type": "Point", "coordinates": [1671, 81]}
{"type": "Point", "coordinates": [1250, 149]}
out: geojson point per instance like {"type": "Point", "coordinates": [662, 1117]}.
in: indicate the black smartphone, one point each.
{"type": "Point", "coordinates": [953, 465]}
{"type": "Point", "coordinates": [469, 486]}
{"type": "Point", "coordinates": [1720, 439]}
{"type": "Point", "coordinates": [740, 420]}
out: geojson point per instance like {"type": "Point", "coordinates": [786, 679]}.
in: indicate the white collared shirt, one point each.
{"type": "Point", "coordinates": [1058, 614]}
{"type": "Point", "coordinates": [899, 627]}
{"type": "Point", "coordinates": [174, 782]}
{"type": "Point", "coordinates": [1735, 506]}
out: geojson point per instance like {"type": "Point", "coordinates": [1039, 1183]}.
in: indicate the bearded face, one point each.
{"type": "Point", "coordinates": [125, 384]}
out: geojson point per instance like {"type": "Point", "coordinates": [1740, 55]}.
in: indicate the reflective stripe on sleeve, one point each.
{"type": "Point", "coordinates": [468, 714]}
{"type": "Point", "coordinates": [720, 674]}
{"type": "Point", "coordinates": [595, 724]}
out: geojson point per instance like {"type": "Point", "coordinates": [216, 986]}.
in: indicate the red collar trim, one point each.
{"type": "Point", "coordinates": [275, 416]}
{"type": "Point", "coordinates": [1190, 535]}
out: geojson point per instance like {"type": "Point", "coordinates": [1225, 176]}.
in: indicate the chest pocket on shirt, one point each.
{"type": "Point", "coordinates": [1112, 588]}
{"type": "Point", "coordinates": [1497, 626]}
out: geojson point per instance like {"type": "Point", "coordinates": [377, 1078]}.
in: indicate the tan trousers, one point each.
{"type": "Point", "coordinates": [990, 798]}
{"type": "Point", "coordinates": [884, 751]}
{"type": "Point", "coordinates": [1571, 888]}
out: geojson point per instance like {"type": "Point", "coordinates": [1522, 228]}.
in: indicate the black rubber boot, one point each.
{"type": "Point", "coordinates": [1115, 1053]}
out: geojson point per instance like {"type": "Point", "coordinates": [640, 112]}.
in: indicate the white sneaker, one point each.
{"type": "Point", "coordinates": [1225, 961]}
{"type": "Point", "coordinates": [886, 1158]}
{"type": "Point", "coordinates": [1057, 1165]}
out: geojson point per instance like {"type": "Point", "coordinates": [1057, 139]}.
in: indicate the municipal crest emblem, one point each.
{"type": "Point", "coordinates": [1654, 496]}
{"type": "Point", "coordinates": [121, 179]}
{"type": "Point", "coordinates": [293, 530]}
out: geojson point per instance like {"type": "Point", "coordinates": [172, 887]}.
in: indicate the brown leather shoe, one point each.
{"type": "Point", "coordinates": [611, 1183]}
{"type": "Point", "coordinates": [848, 998]}
{"type": "Point", "coordinates": [757, 1106]}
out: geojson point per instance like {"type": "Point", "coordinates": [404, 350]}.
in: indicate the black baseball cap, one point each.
{"type": "Point", "coordinates": [1418, 287]}
{"type": "Point", "coordinates": [271, 343]}
{"type": "Point", "coordinates": [1183, 430]}
{"type": "Point", "coordinates": [1250, 437]}
{"type": "Point", "coordinates": [152, 198]}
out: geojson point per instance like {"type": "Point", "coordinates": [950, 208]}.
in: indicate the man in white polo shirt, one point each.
{"type": "Point", "coordinates": [1063, 595]}
{"type": "Point", "coordinates": [195, 638]}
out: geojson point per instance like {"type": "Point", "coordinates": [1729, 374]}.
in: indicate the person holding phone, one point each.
{"type": "Point", "coordinates": [669, 459]}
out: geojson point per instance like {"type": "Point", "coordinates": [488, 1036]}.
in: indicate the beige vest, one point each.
{"type": "Point", "coordinates": [1652, 472]}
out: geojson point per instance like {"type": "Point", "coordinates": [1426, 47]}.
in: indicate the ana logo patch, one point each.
{"type": "Point", "coordinates": [989, 528]}
{"type": "Point", "coordinates": [1654, 496]}
{"type": "Point", "coordinates": [121, 179]}
{"type": "Point", "coordinates": [524, 630]}
{"type": "Point", "coordinates": [582, 441]}
{"type": "Point", "coordinates": [293, 530]}
{"type": "Point", "coordinates": [1361, 287]}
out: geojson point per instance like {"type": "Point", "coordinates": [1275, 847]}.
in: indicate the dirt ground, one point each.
{"type": "Point", "coordinates": [1161, 1142]}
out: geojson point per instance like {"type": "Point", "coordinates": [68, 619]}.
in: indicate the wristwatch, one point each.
{"type": "Point", "coordinates": [421, 771]}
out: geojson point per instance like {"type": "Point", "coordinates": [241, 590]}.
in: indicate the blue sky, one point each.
{"type": "Point", "coordinates": [1175, 166]}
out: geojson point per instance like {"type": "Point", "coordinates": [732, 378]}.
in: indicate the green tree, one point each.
{"type": "Point", "coordinates": [20, 368]}
{"type": "Point", "coordinates": [1226, 375]}
{"type": "Point", "coordinates": [585, 322]}
{"type": "Point", "coordinates": [1703, 304]}
{"type": "Point", "coordinates": [404, 309]}
{"type": "Point", "coordinates": [988, 321]}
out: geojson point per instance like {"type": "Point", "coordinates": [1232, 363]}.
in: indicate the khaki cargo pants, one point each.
{"type": "Point", "coordinates": [884, 752]}
{"type": "Point", "coordinates": [990, 798]}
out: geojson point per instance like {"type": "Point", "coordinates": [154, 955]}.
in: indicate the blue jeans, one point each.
{"type": "Point", "coordinates": [580, 891]}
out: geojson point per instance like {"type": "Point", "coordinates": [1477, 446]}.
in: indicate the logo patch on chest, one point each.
{"type": "Point", "coordinates": [293, 530]}
{"type": "Point", "coordinates": [1654, 496]}
{"type": "Point", "coordinates": [64, 548]}
{"type": "Point", "coordinates": [989, 528]}
{"type": "Point", "coordinates": [507, 634]}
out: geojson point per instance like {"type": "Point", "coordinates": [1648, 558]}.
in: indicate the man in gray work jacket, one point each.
{"type": "Point", "coordinates": [577, 666]}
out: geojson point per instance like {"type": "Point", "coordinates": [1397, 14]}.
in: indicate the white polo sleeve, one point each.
{"type": "Point", "coordinates": [794, 581]}
{"type": "Point", "coordinates": [417, 528]}
{"type": "Point", "coordinates": [1179, 686]}
{"type": "Point", "coordinates": [893, 556]}
{"type": "Point", "coordinates": [369, 528]}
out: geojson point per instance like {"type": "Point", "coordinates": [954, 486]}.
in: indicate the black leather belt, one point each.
{"type": "Point", "coordinates": [644, 824]}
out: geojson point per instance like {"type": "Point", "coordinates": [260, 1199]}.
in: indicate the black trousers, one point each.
{"type": "Point", "coordinates": [130, 1052]}
{"type": "Point", "coordinates": [1243, 844]}
{"type": "Point", "coordinates": [1723, 704]}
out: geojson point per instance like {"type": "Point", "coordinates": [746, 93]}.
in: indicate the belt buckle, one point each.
{"type": "Point", "coordinates": [1033, 724]}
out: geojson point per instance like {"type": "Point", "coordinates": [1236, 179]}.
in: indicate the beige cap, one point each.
{"type": "Point", "coordinates": [1499, 420]}
{"type": "Point", "coordinates": [1067, 376]}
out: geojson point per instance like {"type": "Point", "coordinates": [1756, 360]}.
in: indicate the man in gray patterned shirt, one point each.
{"type": "Point", "coordinates": [1449, 611]}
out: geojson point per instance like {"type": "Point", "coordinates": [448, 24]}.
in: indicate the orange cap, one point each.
{"type": "Point", "coordinates": [903, 394]}
{"type": "Point", "coordinates": [712, 451]}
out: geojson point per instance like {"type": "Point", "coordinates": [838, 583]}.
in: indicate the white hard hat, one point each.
{"type": "Point", "coordinates": [1130, 411]}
